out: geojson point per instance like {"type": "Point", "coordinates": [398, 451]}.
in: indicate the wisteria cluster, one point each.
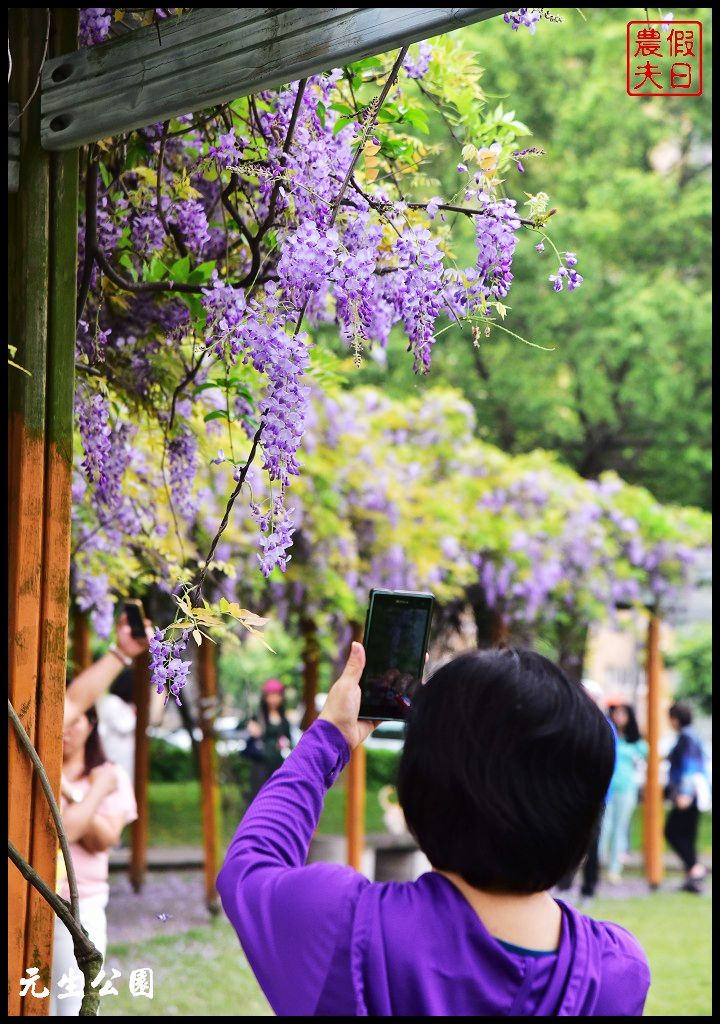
{"type": "Point", "coordinates": [524, 16]}
{"type": "Point", "coordinates": [168, 671]}
{"type": "Point", "coordinates": [566, 273]}
{"type": "Point", "coordinates": [224, 242]}
{"type": "Point", "coordinates": [94, 25]}
{"type": "Point", "coordinates": [418, 67]}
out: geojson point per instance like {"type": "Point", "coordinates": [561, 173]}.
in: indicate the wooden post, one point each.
{"type": "Point", "coordinates": [28, 308]}
{"type": "Point", "coordinates": [138, 854]}
{"type": "Point", "coordinates": [311, 657]}
{"type": "Point", "coordinates": [209, 789]}
{"type": "Point", "coordinates": [82, 655]}
{"type": "Point", "coordinates": [55, 599]}
{"type": "Point", "coordinates": [498, 630]}
{"type": "Point", "coordinates": [653, 829]}
{"type": "Point", "coordinates": [355, 794]}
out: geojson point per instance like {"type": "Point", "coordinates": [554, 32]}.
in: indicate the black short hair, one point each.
{"type": "Point", "coordinates": [682, 713]}
{"type": "Point", "coordinates": [504, 771]}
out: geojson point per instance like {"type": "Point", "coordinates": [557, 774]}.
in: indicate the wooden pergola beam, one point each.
{"type": "Point", "coordinates": [214, 55]}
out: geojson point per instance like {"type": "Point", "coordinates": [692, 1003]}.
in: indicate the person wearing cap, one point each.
{"type": "Point", "coordinates": [269, 742]}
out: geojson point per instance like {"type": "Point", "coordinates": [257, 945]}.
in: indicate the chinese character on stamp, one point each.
{"type": "Point", "coordinates": [664, 58]}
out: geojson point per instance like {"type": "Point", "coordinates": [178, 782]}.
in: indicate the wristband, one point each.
{"type": "Point", "coordinates": [127, 662]}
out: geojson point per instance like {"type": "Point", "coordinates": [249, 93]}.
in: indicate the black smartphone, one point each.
{"type": "Point", "coordinates": [397, 629]}
{"type": "Point", "coordinates": [135, 616]}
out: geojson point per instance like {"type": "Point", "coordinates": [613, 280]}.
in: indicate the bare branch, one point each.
{"type": "Point", "coordinates": [26, 742]}
{"type": "Point", "coordinates": [88, 957]}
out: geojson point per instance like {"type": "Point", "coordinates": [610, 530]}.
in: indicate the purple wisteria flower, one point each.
{"type": "Point", "coordinates": [418, 67]}
{"type": "Point", "coordinates": [527, 16]}
{"type": "Point", "coordinates": [192, 222]}
{"type": "Point", "coordinates": [168, 672]}
{"type": "Point", "coordinates": [94, 25]}
{"type": "Point", "coordinates": [181, 457]}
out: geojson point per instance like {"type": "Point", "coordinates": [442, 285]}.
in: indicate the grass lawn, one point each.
{"type": "Point", "coordinates": [175, 813]}
{"type": "Point", "coordinates": [199, 974]}
{"type": "Point", "coordinates": [175, 816]}
{"type": "Point", "coordinates": [674, 929]}
{"type": "Point", "coordinates": [203, 972]}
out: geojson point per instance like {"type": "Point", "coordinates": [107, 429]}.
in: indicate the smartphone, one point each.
{"type": "Point", "coordinates": [135, 616]}
{"type": "Point", "coordinates": [397, 630]}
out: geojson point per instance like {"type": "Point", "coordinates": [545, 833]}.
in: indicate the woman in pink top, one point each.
{"type": "Point", "coordinates": [97, 801]}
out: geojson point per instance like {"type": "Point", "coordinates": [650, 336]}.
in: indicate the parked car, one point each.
{"type": "Point", "coordinates": [387, 735]}
{"type": "Point", "coordinates": [175, 737]}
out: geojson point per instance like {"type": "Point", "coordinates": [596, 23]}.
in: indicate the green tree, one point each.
{"type": "Point", "coordinates": [627, 387]}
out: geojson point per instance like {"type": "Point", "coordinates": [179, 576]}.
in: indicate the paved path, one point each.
{"type": "Point", "coordinates": [180, 894]}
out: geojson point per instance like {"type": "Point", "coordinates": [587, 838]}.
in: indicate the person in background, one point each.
{"type": "Point", "coordinates": [689, 791]}
{"type": "Point", "coordinates": [631, 755]}
{"type": "Point", "coordinates": [96, 802]}
{"type": "Point", "coordinates": [269, 741]}
{"type": "Point", "coordinates": [117, 719]}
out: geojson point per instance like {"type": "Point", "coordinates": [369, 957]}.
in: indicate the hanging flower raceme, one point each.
{"type": "Point", "coordinates": [417, 291]}
{"type": "Point", "coordinates": [93, 414]}
{"type": "Point", "coordinates": [181, 456]}
{"type": "Point", "coordinates": [495, 237]}
{"type": "Point", "coordinates": [168, 672]}
{"type": "Point", "coordinates": [307, 261]}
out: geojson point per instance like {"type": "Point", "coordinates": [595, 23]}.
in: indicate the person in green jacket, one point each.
{"type": "Point", "coordinates": [630, 759]}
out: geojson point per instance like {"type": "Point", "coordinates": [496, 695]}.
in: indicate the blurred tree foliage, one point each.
{"type": "Point", "coordinates": [627, 387]}
{"type": "Point", "coordinates": [692, 660]}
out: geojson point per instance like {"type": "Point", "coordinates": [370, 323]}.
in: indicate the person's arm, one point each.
{"type": "Point", "coordinates": [157, 707]}
{"type": "Point", "coordinates": [93, 681]}
{"type": "Point", "coordinates": [103, 832]}
{"type": "Point", "coordinates": [294, 921]}
{"type": "Point", "coordinates": [77, 817]}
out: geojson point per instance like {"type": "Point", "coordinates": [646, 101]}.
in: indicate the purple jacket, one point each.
{"type": "Point", "coordinates": [324, 941]}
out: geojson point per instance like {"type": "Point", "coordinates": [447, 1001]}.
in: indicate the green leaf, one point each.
{"type": "Point", "coordinates": [321, 111]}
{"type": "Point", "coordinates": [217, 414]}
{"type": "Point", "coordinates": [194, 304]}
{"type": "Point", "coordinates": [417, 119]}
{"type": "Point", "coordinates": [365, 63]}
{"type": "Point", "coordinates": [156, 271]}
{"type": "Point", "coordinates": [180, 269]}
{"type": "Point", "coordinates": [202, 273]}
{"type": "Point", "coordinates": [341, 123]}
{"type": "Point", "coordinates": [342, 108]}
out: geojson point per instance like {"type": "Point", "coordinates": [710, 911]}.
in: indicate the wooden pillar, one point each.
{"type": "Point", "coordinates": [355, 794]}
{"type": "Point", "coordinates": [209, 788]}
{"type": "Point", "coordinates": [498, 630]}
{"type": "Point", "coordinates": [28, 264]}
{"type": "Point", "coordinates": [653, 826]}
{"type": "Point", "coordinates": [55, 598]}
{"type": "Point", "coordinates": [82, 655]}
{"type": "Point", "coordinates": [311, 658]}
{"type": "Point", "coordinates": [138, 853]}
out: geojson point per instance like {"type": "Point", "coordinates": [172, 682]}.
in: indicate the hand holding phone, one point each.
{"type": "Point", "coordinates": [136, 618]}
{"type": "Point", "coordinates": [343, 701]}
{"type": "Point", "coordinates": [133, 629]}
{"type": "Point", "coordinates": [397, 630]}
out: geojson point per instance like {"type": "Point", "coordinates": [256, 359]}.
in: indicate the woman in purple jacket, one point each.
{"type": "Point", "coordinates": [503, 775]}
